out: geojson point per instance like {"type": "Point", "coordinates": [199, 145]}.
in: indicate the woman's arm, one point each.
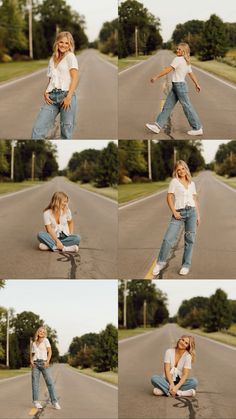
{"type": "Point", "coordinates": [74, 74]}
{"type": "Point", "coordinates": [164, 72]}
{"type": "Point", "coordinates": [49, 355]}
{"type": "Point", "coordinates": [54, 236]}
{"type": "Point", "coordinates": [46, 95]}
{"type": "Point", "coordinates": [71, 226]}
{"type": "Point", "coordinates": [197, 209]}
{"type": "Point", "coordinates": [170, 202]}
{"type": "Point", "coordinates": [168, 374]}
{"type": "Point", "coordinates": [182, 380]}
{"type": "Point", "coordinates": [31, 359]}
{"type": "Point", "coordinates": [194, 79]}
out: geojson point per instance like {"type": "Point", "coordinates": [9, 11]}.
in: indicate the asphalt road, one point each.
{"type": "Point", "coordinates": [140, 101]}
{"type": "Point", "coordinates": [141, 357]}
{"type": "Point", "coordinates": [142, 226]}
{"type": "Point", "coordinates": [95, 219]}
{"type": "Point", "coordinates": [79, 397]}
{"type": "Point", "coordinates": [97, 101]}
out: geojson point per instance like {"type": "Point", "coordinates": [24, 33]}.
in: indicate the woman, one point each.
{"type": "Point", "coordinates": [180, 67]}
{"type": "Point", "coordinates": [59, 95]}
{"type": "Point", "coordinates": [177, 364]}
{"type": "Point", "coordinates": [59, 226]}
{"type": "Point", "coordinates": [40, 356]}
{"type": "Point", "coordinates": [182, 201]}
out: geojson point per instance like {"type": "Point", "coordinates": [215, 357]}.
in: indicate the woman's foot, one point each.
{"type": "Point", "coordinates": [43, 246]}
{"type": "Point", "coordinates": [38, 405]}
{"type": "Point", "coordinates": [56, 406]}
{"type": "Point", "coordinates": [195, 132]}
{"type": "Point", "coordinates": [187, 393]}
{"type": "Point", "coordinates": [158, 392]}
{"type": "Point", "coordinates": [184, 270]}
{"type": "Point", "coordinates": [73, 248]}
{"type": "Point", "coordinates": [153, 127]}
{"type": "Point", "coordinates": [158, 267]}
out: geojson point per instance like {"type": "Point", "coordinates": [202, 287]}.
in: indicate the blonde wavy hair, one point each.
{"type": "Point", "coordinates": [185, 50]}
{"type": "Point", "coordinates": [191, 346]}
{"type": "Point", "coordinates": [56, 200]}
{"type": "Point", "coordinates": [36, 337]}
{"type": "Point", "coordinates": [56, 54]}
{"type": "Point", "coordinates": [184, 164]}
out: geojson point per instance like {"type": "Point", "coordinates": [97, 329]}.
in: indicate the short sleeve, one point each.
{"type": "Point", "coordinates": [175, 62]}
{"type": "Point", "coordinates": [68, 215]}
{"type": "Point", "coordinates": [172, 186]}
{"type": "Point", "coordinates": [46, 218]}
{"type": "Point", "coordinates": [72, 61]}
{"type": "Point", "coordinates": [49, 69]}
{"type": "Point", "coordinates": [167, 357]}
{"type": "Point", "coordinates": [188, 362]}
{"type": "Point", "coordinates": [194, 188]}
{"type": "Point", "coordinates": [47, 343]}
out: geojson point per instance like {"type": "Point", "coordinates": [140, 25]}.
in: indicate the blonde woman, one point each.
{"type": "Point", "coordinates": [60, 94]}
{"type": "Point", "coordinates": [40, 355]}
{"type": "Point", "coordinates": [179, 67]}
{"type": "Point", "coordinates": [59, 226]}
{"type": "Point", "coordinates": [177, 364]}
{"type": "Point", "coordinates": [182, 201]}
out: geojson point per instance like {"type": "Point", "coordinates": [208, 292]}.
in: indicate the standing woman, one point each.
{"type": "Point", "coordinates": [59, 226]}
{"type": "Point", "coordinates": [177, 364]}
{"type": "Point", "coordinates": [180, 67]}
{"type": "Point", "coordinates": [40, 356]}
{"type": "Point", "coordinates": [182, 201]}
{"type": "Point", "coordinates": [60, 94]}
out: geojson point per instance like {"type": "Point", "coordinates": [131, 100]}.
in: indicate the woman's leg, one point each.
{"type": "Point", "coordinates": [45, 238]}
{"type": "Point", "coordinates": [70, 240]}
{"type": "Point", "coordinates": [169, 239]}
{"type": "Point", "coordinates": [35, 374]}
{"type": "Point", "coordinates": [169, 105]}
{"type": "Point", "coordinates": [160, 382]}
{"type": "Point", "coordinates": [189, 236]}
{"type": "Point", "coordinates": [189, 384]}
{"type": "Point", "coordinates": [68, 118]}
{"type": "Point", "coordinates": [48, 380]}
{"type": "Point", "coordinates": [181, 90]}
{"type": "Point", "coordinates": [45, 120]}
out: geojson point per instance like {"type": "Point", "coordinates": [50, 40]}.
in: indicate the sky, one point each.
{"type": "Point", "coordinates": [73, 308]}
{"type": "Point", "coordinates": [184, 10]}
{"type": "Point", "coordinates": [180, 290]}
{"type": "Point", "coordinates": [96, 12]}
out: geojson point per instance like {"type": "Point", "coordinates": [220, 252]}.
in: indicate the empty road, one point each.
{"type": "Point", "coordinates": [140, 101]}
{"type": "Point", "coordinates": [141, 357]}
{"type": "Point", "coordinates": [97, 101]}
{"type": "Point", "coordinates": [79, 396]}
{"type": "Point", "coordinates": [95, 219]}
{"type": "Point", "coordinates": [142, 226]}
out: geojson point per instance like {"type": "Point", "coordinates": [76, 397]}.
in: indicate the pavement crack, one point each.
{"type": "Point", "coordinates": [191, 405]}
{"type": "Point", "coordinates": [73, 260]}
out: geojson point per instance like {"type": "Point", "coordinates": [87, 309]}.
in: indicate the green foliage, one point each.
{"type": "Point", "coordinates": [108, 37]}
{"type": "Point", "coordinates": [226, 159]}
{"type": "Point", "coordinates": [105, 356]}
{"type": "Point", "coordinates": [107, 168]}
{"type": "Point", "coordinates": [192, 313]}
{"type": "Point", "coordinates": [190, 32]}
{"type": "Point", "coordinates": [214, 41]}
{"type": "Point", "coordinates": [219, 314]}
{"type": "Point", "coordinates": [12, 27]}
{"type": "Point", "coordinates": [131, 159]}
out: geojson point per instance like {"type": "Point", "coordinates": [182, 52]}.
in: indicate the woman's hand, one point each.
{"type": "Point", "coordinates": [46, 364]}
{"type": "Point", "coordinates": [198, 220]}
{"type": "Point", "coordinates": [59, 245]}
{"type": "Point", "coordinates": [32, 364]}
{"type": "Point", "coordinates": [153, 79]}
{"type": "Point", "coordinates": [47, 98]}
{"type": "Point", "coordinates": [65, 104]}
{"type": "Point", "coordinates": [177, 215]}
{"type": "Point", "coordinates": [173, 391]}
{"type": "Point", "coordinates": [198, 87]}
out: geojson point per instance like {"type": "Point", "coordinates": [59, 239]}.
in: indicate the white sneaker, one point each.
{"type": "Point", "coordinates": [195, 132]}
{"type": "Point", "coordinates": [187, 393]}
{"type": "Point", "coordinates": [56, 406]}
{"type": "Point", "coordinates": [153, 128]}
{"type": "Point", "coordinates": [157, 392]}
{"type": "Point", "coordinates": [184, 271]}
{"type": "Point", "coordinates": [43, 246]}
{"type": "Point", "coordinates": [38, 405]}
{"type": "Point", "coordinates": [158, 267]}
{"type": "Point", "coordinates": [73, 248]}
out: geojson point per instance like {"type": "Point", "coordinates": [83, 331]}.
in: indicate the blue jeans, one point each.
{"type": "Point", "coordinates": [161, 382]}
{"type": "Point", "coordinates": [45, 238]}
{"type": "Point", "coordinates": [35, 373]}
{"type": "Point", "coordinates": [189, 220]}
{"type": "Point", "coordinates": [179, 92]}
{"type": "Point", "coordinates": [48, 113]}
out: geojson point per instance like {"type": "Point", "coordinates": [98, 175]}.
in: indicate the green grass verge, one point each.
{"type": "Point", "coordinates": [15, 69]}
{"type": "Point", "coordinates": [130, 61]}
{"type": "Point", "coordinates": [132, 191]}
{"type": "Point", "coordinates": [218, 336]}
{"type": "Point", "coordinates": [112, 59]}
{"type": "Point", "coordinates": [107, 376]}
{"type": "Point", "coordinates": [127, 333]}
{"type": "Point", "coordinates": [229, 181]}
{"type": "Point", "coordinates": [109, 192]}
{"type": "Point", "coordinates": [13, 373]}
{"type": "Point", "coordinates": [8, 187]}
{"type": "Point", "coordinates": [215, 67]}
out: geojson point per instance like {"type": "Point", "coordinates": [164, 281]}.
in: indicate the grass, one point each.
{"type": "Point", "coordinates": [15, 69]}
{"type": "Point", "coordinates": [107, 376]}
{"type": "Point", "coordinates": [127, 333]}
{"type": "Point", "coordinates": [109, 192]}
{"type": "Point", "coordinates": [13, 373]}
{"type": "Point", "coordinates": [215, 67]}
{"type": "Point", "coordinates": [131, 60]}
{"type": "Point", "coordinates": [229, 181]}
{"type": "Point", "coordinates": [218, 336]}
{"type": "Point", "coordinates": [112, 59]}
{"type": "Point", "coordinates": [132, 191]}
{"type": "Point", "coordinates": [8, 187]}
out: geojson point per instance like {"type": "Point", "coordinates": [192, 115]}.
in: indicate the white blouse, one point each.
{"type": "Point", "coordinates": [40, 351]}
{"type": "Point", "coordinates": [181, 67]}
{"type": "Point", "coordinates": [184, 362]}
{"type": "Point", "coordinates": [183, 196]}
{"type": "Point", "coordinates": [62, 227]}
{"type": "Point", "coordinates": [59, 74]}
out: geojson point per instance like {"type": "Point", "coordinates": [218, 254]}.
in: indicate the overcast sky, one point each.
{"type": "Point", "coordinates": [171, 13]}
{"type": "Point", "coordinates": [73, 308]}
{"type": "Point", "coordinates": [179, 290]}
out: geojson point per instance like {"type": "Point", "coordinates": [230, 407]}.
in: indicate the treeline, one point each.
{"type": "Point", "coordinates": [225, 159]}
{"type": "Point", "coordinates": [48, 18]}
{"type": "Point", "coordinates": [108, 38]}
{"type": "Point", "coordinates": [209, 314]}
{"type": "Point", "coordinates": [22, 328]}
{"type": "Point", "coordinates": [37, 156]}
{"type": "Point", "coordinates": [138, 29]}
{"type": "Point", "coordinates": [133, 158]}
{"type": "Point", "coordinates": [98, 351]}
{"type": "Point", "coordinates": [99, 167]}
{"type": "Point", "coordinates": [144, 303]}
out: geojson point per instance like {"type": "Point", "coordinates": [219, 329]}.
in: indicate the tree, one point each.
{"type": "Point", "coordinates": [219, 314]}
{"type": "Point", "coordinates": [214, 41]}
{"type": "Point", "coordinates": [107, 167]}
{"type": "Point", "coordinates": [4, 165]}
{"type": "Point", "coordinates": [13, 39]}
{"type": "Point", "coordinates": [189, 32]}
{"type": "Point", "coordinates": [108, 37]}
{"type": "Point", "coordinates": [105, 356]}
{"type": "Point", "coordinates": [192, 312]}
{"type": "Point", "coordinates": [131, 159]}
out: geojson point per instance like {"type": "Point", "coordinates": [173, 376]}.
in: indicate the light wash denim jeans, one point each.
{"type": "Point", "coordinates": [189, 220]}
{"type": "Point", "coordinates": [179, 92]}
{"type": "Point", "coordinates": [161, 382]}
{"type": "Point", "coordinates": [71, 240]}
{"type": "Point", "coordinates": [48, 113]}
{"type": "Point", "coordinates": [35, 373]}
